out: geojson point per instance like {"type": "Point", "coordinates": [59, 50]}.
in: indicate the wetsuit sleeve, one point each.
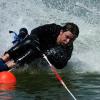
{"type": "Point", "coordinates": [59, 55]}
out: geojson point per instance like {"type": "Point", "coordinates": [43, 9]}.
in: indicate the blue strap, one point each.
{"type": "Point", "coordinates": [16, 38]}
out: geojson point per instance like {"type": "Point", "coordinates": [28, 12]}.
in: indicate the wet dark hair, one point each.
{"type": "Point", "coordinates": [73, 28]}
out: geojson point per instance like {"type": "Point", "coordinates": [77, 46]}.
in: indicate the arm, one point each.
{"type": "Point", "coordinates": [59, 55]}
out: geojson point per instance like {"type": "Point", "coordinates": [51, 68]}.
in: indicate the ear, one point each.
{"type": "Point", "coordinates": [61, 32]}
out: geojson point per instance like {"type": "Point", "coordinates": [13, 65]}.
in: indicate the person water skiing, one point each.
{"type": "Point", "coordinates": [19, 37]}
{"type": "Point", "coordinates": [53, 40]}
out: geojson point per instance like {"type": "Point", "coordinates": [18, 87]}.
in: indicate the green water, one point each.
{"type": "Point", "coordinates": [42, 85]}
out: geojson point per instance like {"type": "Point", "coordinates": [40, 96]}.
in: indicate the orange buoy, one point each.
{"type": "Point", "coordinates": [7, 77]}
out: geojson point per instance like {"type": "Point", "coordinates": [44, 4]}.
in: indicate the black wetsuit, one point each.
{"type": "Point", "coordinates": [42, 38]}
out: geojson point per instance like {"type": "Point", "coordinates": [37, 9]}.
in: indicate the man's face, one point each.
{"type": "Point", "coordinates": [65, 38]}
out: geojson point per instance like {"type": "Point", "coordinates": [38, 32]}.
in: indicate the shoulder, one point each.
{"type": "Point", "coordinates": [47, 28]}
{"type": "Point", "coordinates": [52, 25]}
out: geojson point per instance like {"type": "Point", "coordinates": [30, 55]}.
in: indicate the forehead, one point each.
{"type": "Point", "coordinates": [68, 33]}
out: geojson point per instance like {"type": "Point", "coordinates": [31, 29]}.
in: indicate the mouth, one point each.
{"type": "Point", "coordinates": [63, 44]}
